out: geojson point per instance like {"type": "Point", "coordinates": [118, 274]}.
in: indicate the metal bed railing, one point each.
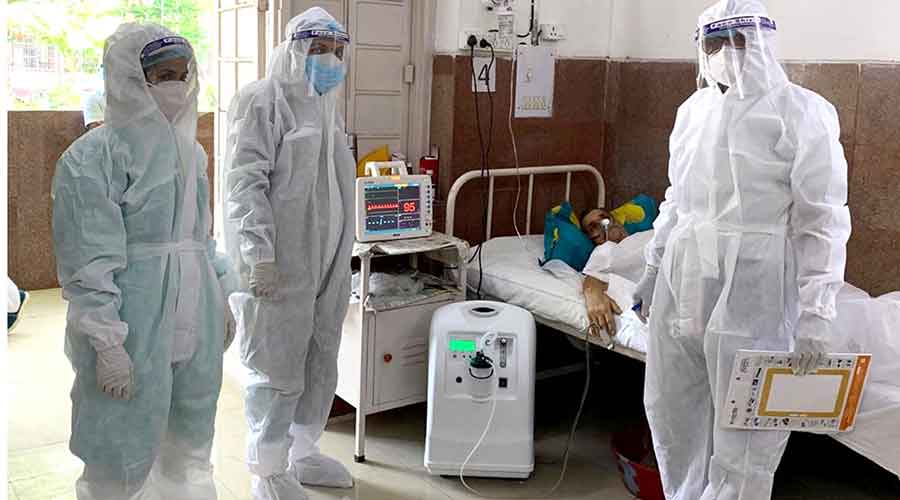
{"type": "Point", "coordinates": [513, 172]}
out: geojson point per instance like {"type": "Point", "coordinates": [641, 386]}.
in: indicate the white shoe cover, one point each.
{"type": "Point", "coordinates": [319, 470]}
{"type": "Point", "coordinates": [278, 487]}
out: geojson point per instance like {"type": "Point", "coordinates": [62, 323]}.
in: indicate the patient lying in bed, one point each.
{"type": "Point", "coordinates": [863, 323]}
{"type": "Point", "coordinates": [622, 257]}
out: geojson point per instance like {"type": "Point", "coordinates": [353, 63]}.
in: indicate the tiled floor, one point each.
{"type": "Point", "coordinates": [41, 467]}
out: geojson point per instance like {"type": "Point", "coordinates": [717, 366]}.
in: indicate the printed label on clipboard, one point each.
{"type": "Point", "coordinates": [764, 393]}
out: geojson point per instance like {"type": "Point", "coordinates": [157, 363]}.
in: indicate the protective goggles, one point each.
{"type": "Point", "coordinates": [324, 41]}
{"type": "Point", "coordinates": [714, 36]}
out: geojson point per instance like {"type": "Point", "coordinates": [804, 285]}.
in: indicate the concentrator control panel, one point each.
{"type": "Point", "coordinates": [462, 347]}
{"type": "Point", "coordinates": [393, 207]}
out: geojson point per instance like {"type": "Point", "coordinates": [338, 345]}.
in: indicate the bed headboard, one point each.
{"type": "Point", "coordinates": [512, 172]}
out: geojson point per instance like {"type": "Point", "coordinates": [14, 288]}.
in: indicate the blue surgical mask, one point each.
{"type": "Point", "coordinates": [325, 72]}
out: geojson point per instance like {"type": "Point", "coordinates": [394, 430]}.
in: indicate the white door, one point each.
{"type": "Point", "coordinates": [240, 60]}
{"type": "Point", "coordinates": [378, 93]}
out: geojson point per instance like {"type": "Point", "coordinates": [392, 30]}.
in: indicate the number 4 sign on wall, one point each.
{"type": "Point", "coordinates": [486, 75]}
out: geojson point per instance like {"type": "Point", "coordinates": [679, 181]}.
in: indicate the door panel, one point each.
{"type": "Point", "coordinates": [381, 23]}
{"type": "Point", "coordinates": [376, 71]}
{"type": "Point", "coordinates": [378, 115]}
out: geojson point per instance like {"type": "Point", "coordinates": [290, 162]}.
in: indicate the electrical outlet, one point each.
{"type": "Point", "coordinates": [500, 44]}
{"type": "Point", "coordinates": [464, 38]}
{"type": "Point", "coordinates": [553, 32]}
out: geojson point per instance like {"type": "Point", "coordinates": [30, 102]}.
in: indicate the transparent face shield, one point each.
{"type": "Point", "coordinates": [168, 60]}
{"type": "Point", "coordinates": [170, 72]}
{"type": "Point", "coordinates": [737, 53]}
{"type": "Point", "coordinates": [318, 58]}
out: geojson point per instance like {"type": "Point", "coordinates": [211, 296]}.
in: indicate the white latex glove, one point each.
{"type": "Point", "coordinates": [643, 293]}
{"type": "Point", "coordinates": [264, 280]}
{"type": "Point", "coordinates": [114, 373]}
{"type": "Point", "coordinates": [809, 348]}
{"type": "Point", "coordinates": [230, 326]}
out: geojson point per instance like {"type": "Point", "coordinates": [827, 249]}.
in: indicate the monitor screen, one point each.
{"type": "Point", "coordinates": [393, 208]}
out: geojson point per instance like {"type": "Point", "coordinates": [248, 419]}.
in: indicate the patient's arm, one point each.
{"type": "Point", "coordinates": [601, 309]}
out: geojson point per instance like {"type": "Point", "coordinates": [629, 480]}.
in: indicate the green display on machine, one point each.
{"type": "Point", "coordinates": [463, 345]}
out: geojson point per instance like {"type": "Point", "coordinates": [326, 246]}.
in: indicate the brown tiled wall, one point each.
{"type": "Point", "coordinates": [36, 140]}
{"type": "Point", "coordinates": [617, 116]}
{"type": "Point", "coordinates": [574, 135]}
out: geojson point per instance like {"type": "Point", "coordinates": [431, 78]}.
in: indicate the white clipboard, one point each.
{"type": "Point", "coordinates": [764, 393]}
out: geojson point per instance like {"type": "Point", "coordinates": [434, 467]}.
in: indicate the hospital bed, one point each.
{"type": "Point", "coordinates": [511, 273]}
{"type": "Point", "coordinates": [510, 269]}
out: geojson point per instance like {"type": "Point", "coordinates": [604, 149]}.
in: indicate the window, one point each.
{"type": "Point", "coordinates": [52, 69]}
{"type": "Point", "coordinates": [31, 56]}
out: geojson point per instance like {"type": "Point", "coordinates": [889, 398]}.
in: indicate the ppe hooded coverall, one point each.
{"type": "Point", "coordinates": [290, 183]}
{"type": "Point", "coordinates": [750, 246]}
{"type": "Point", "coordinates": [131, 229]}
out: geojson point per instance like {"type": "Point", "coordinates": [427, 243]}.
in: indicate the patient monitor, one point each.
{"type": "Point", "coordinates": [392, 207]}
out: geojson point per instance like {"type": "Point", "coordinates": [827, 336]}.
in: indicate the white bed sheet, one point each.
{"type": "Point", "coordinates": [512, 273]}
{"type": "Point", "coordinates": [867, 324]}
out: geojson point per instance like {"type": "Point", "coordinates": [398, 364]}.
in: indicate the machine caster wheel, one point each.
{"type": "Point", "coordinates": [359, 459]}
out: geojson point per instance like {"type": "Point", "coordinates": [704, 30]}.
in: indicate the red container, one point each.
{"type": "Point", "coordinates": [631, 448]}
{"type": "Point", "coordinates": [428, 165]}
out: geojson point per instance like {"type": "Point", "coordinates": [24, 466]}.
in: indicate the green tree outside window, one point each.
{"type": "Point", "coordinates": [77, 30]}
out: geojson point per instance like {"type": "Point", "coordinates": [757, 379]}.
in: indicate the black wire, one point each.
{"type": "Point", "coordinates": [485, 154]}
{"type": "Point", "coordinates": [530, 24]}
{"type": "Point", "coordinates": [477, 113]}
{"type": "Point", "coordinates": [477, 253]}
{"type": "Point", "coordinates": [490, 94]}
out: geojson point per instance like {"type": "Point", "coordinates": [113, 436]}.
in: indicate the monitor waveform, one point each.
{"type": "Point", "coordinates": [384, 206]}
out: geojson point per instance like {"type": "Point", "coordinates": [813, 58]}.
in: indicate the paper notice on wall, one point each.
{"type": "Point", "coordinates": [484, 70]}
{"type": "Point", "coordinates": [764, 393]}
{"type": "Point", "coordinates": [535, 73]}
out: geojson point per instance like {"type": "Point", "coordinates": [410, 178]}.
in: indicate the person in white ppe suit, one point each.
{"type": "Point", "coordinates": [93, 107]}
{"type": "Point", "coordinates": [749, 252]}
{"type": "Point", "coordinates": [289, 216]}
{"type": "Point", "coordinates": [147, 322]}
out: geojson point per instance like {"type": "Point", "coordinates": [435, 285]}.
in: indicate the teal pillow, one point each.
{"type": "Point", "coordinates": [563, 238]}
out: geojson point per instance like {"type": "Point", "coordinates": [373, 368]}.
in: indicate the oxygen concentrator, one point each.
{"type": "Point", "coordinates": [481, 367]}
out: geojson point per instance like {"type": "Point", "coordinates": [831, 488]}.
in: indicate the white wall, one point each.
{"type": "Point", "coordinates": [838, 29]}
{"type": "Point", "coordinates": [587, 23]}
{"type": "Point", "coordinates": [663, 29]}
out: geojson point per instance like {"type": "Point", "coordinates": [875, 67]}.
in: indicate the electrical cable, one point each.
{"type": "Point", "coordinates": [584, 394]}
{"type": "Point", "coordinates": [485, 151]}
{"type": "Point", "coordinates": [487, 155]}
{"type": "Point", "coordinates": [512, 136]}
{"type": "Point", "coordinates": [530, 23]}
{"type": "Point", "coordinates": [569, 441]}
{"type": "Point", "coordinates": [484, 433]}
{"type": "Point", "coordinates": [480, 138]}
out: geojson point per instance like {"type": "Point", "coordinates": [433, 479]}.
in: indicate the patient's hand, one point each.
{"type": "Point", "coordinates": [601, 308]}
